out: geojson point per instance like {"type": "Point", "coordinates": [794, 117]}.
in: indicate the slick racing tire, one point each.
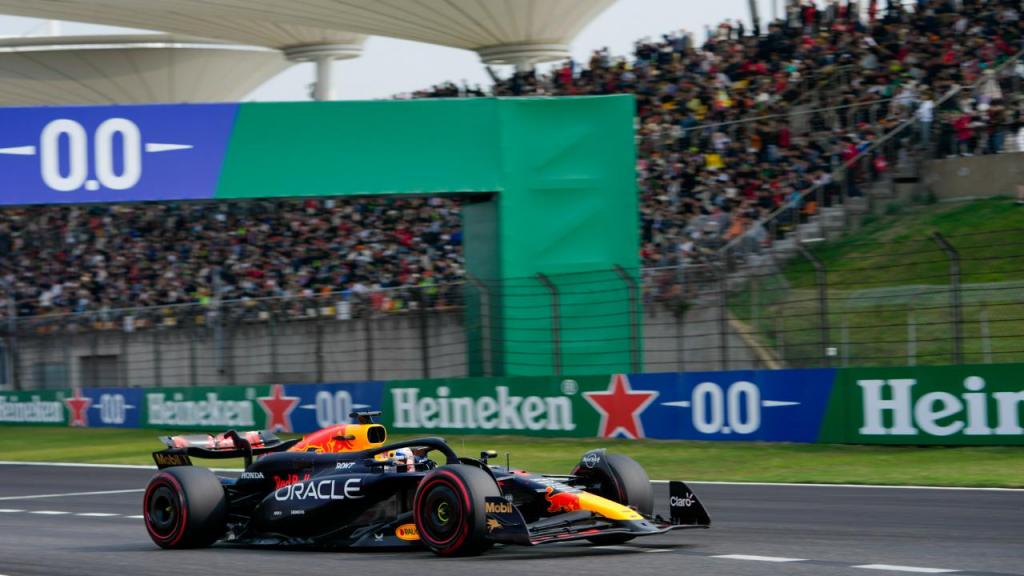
{"type": "Point", "coordinates": [185, 507]}
{"type": "Point", "coordinates": [626, 482]}
{"type": "Point", "coordinates": [449, 510]}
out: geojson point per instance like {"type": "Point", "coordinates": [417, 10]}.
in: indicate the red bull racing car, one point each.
{"type": "Point", "coordinates": [345, 486]}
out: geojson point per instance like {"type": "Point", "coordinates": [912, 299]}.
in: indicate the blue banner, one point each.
{"type": "Point", "coordinates": [749, 405]}
{"type": "Point", "coordinates": [105, 407]}
{"type": "Point", "coordinates": [323, 405]}
{"type": "Point", "coordinates": [107, 154]}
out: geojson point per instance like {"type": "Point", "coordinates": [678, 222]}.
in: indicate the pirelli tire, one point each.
{"type": "Point", "coordinates": [185, 507]}
{"type": "Point", "coordinates": [625, 481]}
{"type": "Point", "coordinates": [448, 509]}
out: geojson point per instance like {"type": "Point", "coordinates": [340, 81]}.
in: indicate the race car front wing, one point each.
{"type": "Point", "coordinates": [505, 523]}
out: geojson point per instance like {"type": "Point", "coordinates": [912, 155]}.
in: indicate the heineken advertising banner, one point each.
{"type": "Point", "coordinates": [942, 405]}
{"type": "Point", "coordinates": [279, 407]}
{"type": "Point", "coordinates": [33, 407]}
{"type": "Point", "coordinates": [538, 406]}
{"type": "Point", "coordinates": [780, 406]}
{"type": "Point", "coordinates": [945, 405]}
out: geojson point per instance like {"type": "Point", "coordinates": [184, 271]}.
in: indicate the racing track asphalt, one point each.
{"type": "Point", "coordinates": [831, 530]}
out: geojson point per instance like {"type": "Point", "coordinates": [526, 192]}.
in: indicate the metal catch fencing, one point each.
{"type": "Point", "coordinates": [935, 300]}
{"type": "Point", "coordinates": [905, 301]}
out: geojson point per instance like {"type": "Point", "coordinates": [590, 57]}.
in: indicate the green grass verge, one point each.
{"type": "Point", "coordinates": [743, 462]}
{"type": "Point", "coordinates": [888, 284]}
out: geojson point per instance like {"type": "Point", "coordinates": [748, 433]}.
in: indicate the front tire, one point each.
{"type": "Point", "coordinates": [185, 507]}
{"type": "Point", "coordinates": [449, 510]}
{"type": "Point", "coordinates": [623, 481]}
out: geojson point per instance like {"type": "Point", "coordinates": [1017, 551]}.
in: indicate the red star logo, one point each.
{"type": "Point", "coordinates": [77, 405]}
{"type": "Point", "coordinates": [620, 408]}
{"type": "Point", "coordinates": [278, 408]}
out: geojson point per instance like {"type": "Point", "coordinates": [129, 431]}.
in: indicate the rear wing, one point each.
{"type": "Point", "coordinates": [230, 444]}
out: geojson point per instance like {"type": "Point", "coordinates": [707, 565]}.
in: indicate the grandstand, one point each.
{"type": "Point", "coordinates": [746, 140]}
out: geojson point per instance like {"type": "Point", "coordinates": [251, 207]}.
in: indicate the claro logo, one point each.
{"type": "Point", "coordinates": [681, 501]}
{"type": "Point", "coordinates": [322, 490]}
{"type": "Point", "coordinates": [939, 413]}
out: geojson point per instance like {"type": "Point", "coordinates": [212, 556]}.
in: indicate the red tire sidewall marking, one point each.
{"type": "Point", "coordinates": [446, 477]}
{"type": "Point", "coordinates": [163, 480]}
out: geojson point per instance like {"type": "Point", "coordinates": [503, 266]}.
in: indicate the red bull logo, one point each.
{"type": "Point", "coordinates": [562, 501]}
{"type": "Point", "coordinates": [288, 480]}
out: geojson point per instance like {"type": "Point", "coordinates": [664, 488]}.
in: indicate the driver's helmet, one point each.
{"type": "Point", "coordinates": [403, 458]}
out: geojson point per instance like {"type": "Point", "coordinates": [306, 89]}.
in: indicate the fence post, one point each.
{"type": "Point", "coordinates": [634, 313]}
{"type": "Point", "coordinates": [986, 336]}
{"type": "Point", "coordinates": [954, 296]}
{"type": "Point", "coordinates": [911, 339]}
{"type": "Point", "coordinates": [123, 358]}
{"type": "Point", "coordinates": [556, 336]}
{"type": "Point", "coordinates": [93, 379]}
{"type": "Point", "coordinates": [12, 341]}
{"type": "Point", "coordinates": [157, 369]}
{"type": "Point", "coordinates": [845, 336]}
{"type": "Point", "coordinates": [821, 279]}
{"type": "Point", "coordinates": [424, 345]}
{"type": "Point", "coordinates": [193, 345]}
{"type": "Point", "coordinates": [319, 351]}
{"type": "Point", "coordinates": [368, 327]}
{"type": "Point", "coordinates": [723, 320]}
{"type": "Point", "coordinates": [272, 329]}
{"type": "Point", "coordinates": [485, 324]}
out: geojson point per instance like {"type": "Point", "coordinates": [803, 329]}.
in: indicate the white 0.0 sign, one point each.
{"type": "Point", "coordinates": [77, 161]}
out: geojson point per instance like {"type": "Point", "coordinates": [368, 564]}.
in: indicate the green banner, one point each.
{"type": "Point", "coordinates": [538, 406]}
{"type": "Point", "coordinates": [941, 405]}
{"type": "Point", "coordinates": [216, 408]}
{"type": "Point", "coordinates": [43, 407]}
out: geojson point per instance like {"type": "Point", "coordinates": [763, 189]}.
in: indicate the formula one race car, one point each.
{"type": "Point", "coordinates": [343, 486]}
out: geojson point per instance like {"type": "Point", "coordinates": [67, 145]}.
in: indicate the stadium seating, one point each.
{"type": "Point", "coordinates": [731, 127]}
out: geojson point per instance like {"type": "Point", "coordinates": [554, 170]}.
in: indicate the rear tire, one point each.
{"type": "Point", "coordinates": [628, 484]}
{"type": "Point", "coordinates": [449, 510]}
{"type": "Point", "coordinates": [185, 507]}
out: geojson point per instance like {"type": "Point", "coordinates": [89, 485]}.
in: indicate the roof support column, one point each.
{"type": "Point", "coordinates": [323, 90]}
{"type": "Point", "coordinates": [323, 57]}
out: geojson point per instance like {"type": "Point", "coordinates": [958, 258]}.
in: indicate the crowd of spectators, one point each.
{"type": "Point", "coordinates": [731, 127]}
{"type": "Point", "coordinates": [74, 259]}
{"type": "Point", "coordinates": [721, 140]}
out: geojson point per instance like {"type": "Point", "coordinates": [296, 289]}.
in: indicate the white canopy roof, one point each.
{"type": "Point", "coordinates": [503, 31]}
{"type": "Point", "coordinates": [129, 69]}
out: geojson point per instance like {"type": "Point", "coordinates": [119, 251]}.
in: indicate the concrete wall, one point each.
{"type": "Point", "coordinates": [975, 177]}
{"type": "Point", "coordinates": [330, 350]}
{"type": "Point", "coordinates": [389, 347]}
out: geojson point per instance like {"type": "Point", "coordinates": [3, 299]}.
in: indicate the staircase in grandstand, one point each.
{"type": "Point", "coordinates": [768, 244]}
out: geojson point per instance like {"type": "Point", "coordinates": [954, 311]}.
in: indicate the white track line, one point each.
{"type": "Point", "coordinates": [49, 512]}
{"type": "Point", "coordinates": [99, 493]}
{"type": "Point", "coordinates": [813, 485]}
{"type": "Point", "coordinates": [97, 514]}
{"type": "Point", "coordinates": [696, 482]}
{"type": "Point", "coordinates": [759, 558]}
{"type": "Point", "coordinates": [632, 548]}
{"type": "Point", "coordinates": [135, 517]}
{"type": "Point", "coordinates": [9, 510]}
{"type": "Point", "coordinates": [897, 568]}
